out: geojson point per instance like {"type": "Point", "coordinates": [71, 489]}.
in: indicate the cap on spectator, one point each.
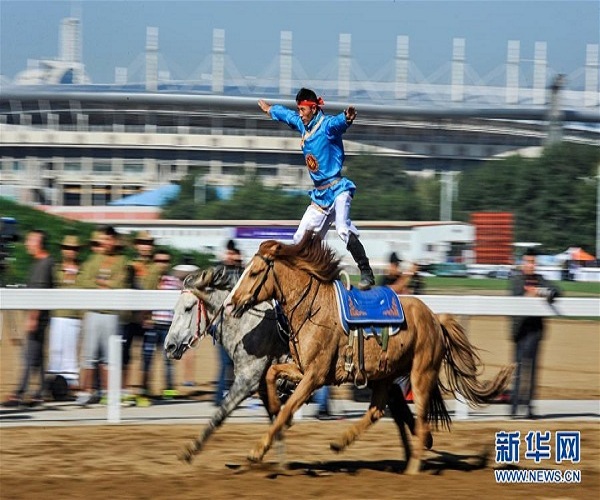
{"type": "Point", "coordinates": [144, 237]}
{"type": "Point", "coordinates": [394, 259]}
{"type": "Point", "coordinates": [531, 251]}
{"type": "Point", "coordinates": [70, 241]}
{"type": "Point", "coordinates": [231, 245]}
{"type": "Point", "coordinates": [96, 238]}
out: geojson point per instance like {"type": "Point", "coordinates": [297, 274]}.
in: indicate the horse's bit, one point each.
{"type": "Point", "coordinates": [202, 315]}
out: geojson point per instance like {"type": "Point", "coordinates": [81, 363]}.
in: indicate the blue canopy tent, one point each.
{"type": "Point", "coordinates": [155, 198]}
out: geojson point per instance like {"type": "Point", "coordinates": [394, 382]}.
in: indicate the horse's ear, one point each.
{"type": "Point", "coordinates": [188, 281]}
{"type": "Point", "coordinates": [273, 249]}
{"type": "Point", "coordinates": [220, 278]}
{"type": "Point", "coordinates": [199, 280]}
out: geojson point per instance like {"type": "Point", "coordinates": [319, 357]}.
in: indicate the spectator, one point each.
{"type": "Point", "coordinates": [155, 335]}
{"type": "Point", "coordinates": [321, 397]}
{"type": "Point", "coordinates": [181, 271]}
{"type": "Point", "coordinates": [104, 270]}
{"type": "Point", "coordinates": [527, 332]}
{"type": "Point", "coordinates": [40, 276]}
{"type": "Point", "coordinates": [403, 282]}
{"type": "Point", "coordinates": [96, 241]}
{"type": "Point", "coordinates": [141, 275]}
{"type": "Point", "coordinates": [65, 324]}
{"type": "Point", "coordinates": [393, 271]}
{"type": "Point", "coordinates": [96, 247]}
{"type": "Point", "coordinates": [232, 260]}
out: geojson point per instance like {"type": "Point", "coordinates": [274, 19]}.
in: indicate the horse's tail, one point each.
{"type": "Point", "coordinates": [438, 415]}
{"type": "Point", "coordinates": [463, 366]}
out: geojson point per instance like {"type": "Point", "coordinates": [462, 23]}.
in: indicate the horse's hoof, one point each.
{"type": "Point", "coordinates": [185, 456]}
{"type": "Point", "coordinates": [254, 457]}
{"type": "Point", "coordinates": [429, 441]}
{"type": "Point", "coordinates": [337, 447]}
{"type": "Point", "coordinates": [413, 468]}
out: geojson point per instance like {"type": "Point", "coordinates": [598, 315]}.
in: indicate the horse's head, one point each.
{"type": "Point", "coordinates": [258, 283]}
{"type": "Point", "coordinates": [190, 314]}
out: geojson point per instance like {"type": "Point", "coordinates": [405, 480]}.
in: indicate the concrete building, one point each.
{"type": "Point", "coordinates": [66, 142]}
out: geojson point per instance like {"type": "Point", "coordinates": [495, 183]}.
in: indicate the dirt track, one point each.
{"type": "Point", "coordinates": [139, 462]}
{"type": "Point", "coordinates": [104, 462]}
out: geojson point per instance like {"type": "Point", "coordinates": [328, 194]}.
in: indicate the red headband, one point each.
{"type": "Point", "coordinates": [306, 102]}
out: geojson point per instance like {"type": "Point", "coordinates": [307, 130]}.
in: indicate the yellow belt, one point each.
{"type": "Point", "coordinates": [329, 184]}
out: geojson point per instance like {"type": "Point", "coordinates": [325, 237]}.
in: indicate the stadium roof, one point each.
{"type": "Point", "coordinates": [155, 198]}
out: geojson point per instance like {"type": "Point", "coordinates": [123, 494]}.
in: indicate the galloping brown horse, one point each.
{"type": "Point", "coordinates": [301, 278]}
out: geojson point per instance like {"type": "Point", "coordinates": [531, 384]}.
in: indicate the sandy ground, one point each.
{"type": "Point", "coordinates": [100, 462]}
{"type": "Point", "coordinates": [140, 461]}
{"type": "Point", "coordinates": [569, 359]}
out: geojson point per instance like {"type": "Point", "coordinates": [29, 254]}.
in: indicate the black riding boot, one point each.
{"type": "Point", "coordinates": [355, 247]}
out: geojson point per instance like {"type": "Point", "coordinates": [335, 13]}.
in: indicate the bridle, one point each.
{"type": "Point", "coordinates": [254, 299]}
{"type": "Point", "coordinates": [270, 267]}
{"type": "Point", "coordinates": [200, 333]}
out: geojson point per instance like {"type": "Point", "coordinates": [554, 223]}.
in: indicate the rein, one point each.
{"type": "Point", "coordinates": [202, 314]}
{"type": "Point", "coordinates": [270, 267]}
{"type": "Point", "coordinates": [293, 336]}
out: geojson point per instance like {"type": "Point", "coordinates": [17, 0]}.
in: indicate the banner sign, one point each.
{"type": "Point", "coordinates": [265, 233]}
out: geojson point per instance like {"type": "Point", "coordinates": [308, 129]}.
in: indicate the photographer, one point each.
{"type": "Point", "coordinates": [527, 332]}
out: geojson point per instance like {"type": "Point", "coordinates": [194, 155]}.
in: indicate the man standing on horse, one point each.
{"type": "Point", "coordinates": [324, 155]}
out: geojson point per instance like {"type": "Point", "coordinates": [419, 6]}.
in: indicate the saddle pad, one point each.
{"type": "Point", "coordinates": [379, 306]}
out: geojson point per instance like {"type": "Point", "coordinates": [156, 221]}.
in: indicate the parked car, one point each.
{"type": "Point", "coordinates": [449, 269]}
{"type": "Point", "coordinates": [503, 273]}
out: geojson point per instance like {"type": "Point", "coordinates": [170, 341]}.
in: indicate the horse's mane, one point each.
{"type": "Point", "coordinates": [310, 254]}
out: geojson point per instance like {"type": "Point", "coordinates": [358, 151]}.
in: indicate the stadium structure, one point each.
{"type": "Point", "coordinates": [65, 141]}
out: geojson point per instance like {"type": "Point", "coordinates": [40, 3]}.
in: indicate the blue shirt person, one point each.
{"type": "Point", "coordinates": [323, 149]}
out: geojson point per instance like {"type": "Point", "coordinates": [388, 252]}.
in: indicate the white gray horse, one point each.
{"type": "Point", "coordinates": [253, 342]}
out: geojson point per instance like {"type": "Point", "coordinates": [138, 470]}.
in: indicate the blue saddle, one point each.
{"type": "Point", "coordinates": [371, 309]}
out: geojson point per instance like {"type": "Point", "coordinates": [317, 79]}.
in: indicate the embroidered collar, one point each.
{"type": "Point", "coordinates": [309, 132]}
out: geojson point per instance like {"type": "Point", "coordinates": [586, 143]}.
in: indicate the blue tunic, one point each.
{"type": "Point", "coordinates": [323, 152]}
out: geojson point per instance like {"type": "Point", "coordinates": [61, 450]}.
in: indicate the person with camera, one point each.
{"type": "Point", "coordinates": [527, 333]}
{"type": "Point", "coordinates": [40, 276]}
{"type": "Point", "coordinates": [403, 282]}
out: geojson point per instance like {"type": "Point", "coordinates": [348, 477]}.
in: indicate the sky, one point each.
{"type": "Point", "coordinates": [114, 33]}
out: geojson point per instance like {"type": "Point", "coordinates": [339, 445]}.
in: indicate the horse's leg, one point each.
{"type": "Point", "coordinates": [279, 441]}
{"type": "Point", "coordinates": [402, 415]}
{"type": "Point", "coordinates": [287, 371]}
{"type": "Point", "coordinates": [379, 399]}
{"type": "Point", "coordinates": [423, 378]}
{"type": "Point", "coordinates": [241, 388]}
{"type": "Point", "coordinates": [305, 388]}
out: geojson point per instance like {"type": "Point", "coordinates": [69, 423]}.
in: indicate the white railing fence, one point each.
{"type": "Point", "coordinates": [145, 300]}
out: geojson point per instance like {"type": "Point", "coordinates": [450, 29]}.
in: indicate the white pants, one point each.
{"type": "Point", "coordinates": [97, 329]}
{"type": "Point", "coordinates": [319, 219]}
{"type": "Point", "coordinates": [62, 345]}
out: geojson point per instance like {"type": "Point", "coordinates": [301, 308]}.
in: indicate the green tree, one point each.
{"type": "Point", "coordinates": [251, 200]}
{"type": "Point", "coordinates": [552, 197]}
{"type": "Point", "coordinates": [384, 190]}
